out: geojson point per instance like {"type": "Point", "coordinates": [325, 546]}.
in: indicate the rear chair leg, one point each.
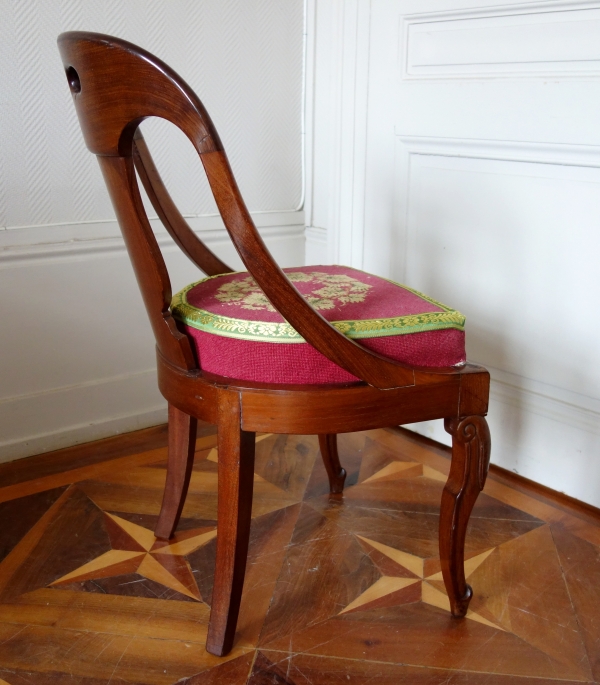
{"type": "Point", "coordinates": [236, 479]}
{"type": "Point", "coordinates": [182, 444]}
{"type": "Point", "coordinates": [329, 452]}
{"type": "Point", "coordinates": [470, 463]}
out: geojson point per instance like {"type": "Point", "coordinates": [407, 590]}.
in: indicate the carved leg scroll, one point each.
{"type": "Point", "coordinates": [182, 444]}
{"type": "Point", "coordinates": [234, 511]}
{"type": "Point", "coordinates": [470, 463]}
{"type": "Point", "coordinates": [329, 452]}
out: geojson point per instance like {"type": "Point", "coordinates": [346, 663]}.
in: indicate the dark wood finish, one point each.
{"type": "Point", "coordinates": [312, 409]}
{"type": "Point", "coordinates": [146, 258]}
{"type": "Point", "coordinates": [468, 471]}
{"type": "Point", "coordinates": [331, 459]}
{"type": "Point", "coordinates": [115, 86]}
{"type": "Point", "coordinates": [518, 483]}
{"type": "Point", "coordinates": [350, 409]}
{"type": "Point", "coordinates": [310, 557]}
{"type": "Point", "coordinates": [371, 367]}
{"type": "Point", "coordinates": [182, 444]}
{"type": "Point", "coordinates": [168, 213]}
{"type": "Point", "coordinates": [236, 479]}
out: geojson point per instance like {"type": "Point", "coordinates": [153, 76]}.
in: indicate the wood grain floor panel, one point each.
{"type": "Point", "coordinates": [269, 539]}
{"type": "Point", "coordinates": [144, 660]}
{"type": "Point", "coordinates": [22, 514]}
{"type": "Point", "coordinates": [287, 461]}
{"type": "Point", "coordinates": [20, 677]}
{"type": "Point", "coordinates": [321, 575]}
{"type": "Point", "coordinates": [21, 553]}
{"type": "Point", "coordinates": [421, 635]}
{"type": "Point", "coordinates": [339, 588]}
{"type": "Point", "coordinates": [580, 562]}
{"type": "Point", "coordinates": [303, 669]}
{"type": "Point", "coordinates": [57, 480]}
{"type": "Point", "coordinates": [234, 672]}
{"type": "Point", "coordinates": [110, 614]}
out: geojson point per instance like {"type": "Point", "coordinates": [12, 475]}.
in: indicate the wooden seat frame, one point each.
{"type": "Point", "coordinates": [115, 86]}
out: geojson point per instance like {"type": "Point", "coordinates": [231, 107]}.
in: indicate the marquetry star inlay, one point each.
{"type": "Point", "coordinates": [136, 550]}
{"type": "Point", "coordinates": [213, 455]}
{"type": "Point", "coordinates": [405, 469]}
{"type": "Point", "coordinates": [390, 590]}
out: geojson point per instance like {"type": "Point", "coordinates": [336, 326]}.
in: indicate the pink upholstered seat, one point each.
{"type": "Point", "coordinates": [238, 333]}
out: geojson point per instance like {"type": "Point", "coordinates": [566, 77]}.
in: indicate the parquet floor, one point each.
{"type": "Point", "coordinates": [338, 590]}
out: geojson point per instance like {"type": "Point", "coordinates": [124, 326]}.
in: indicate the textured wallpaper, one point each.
{"type": "Point", "coordinates": [242, 57]}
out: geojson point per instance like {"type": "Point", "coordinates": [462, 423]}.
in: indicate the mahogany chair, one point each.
{"type": "Point", "coordinates": [115, 86]}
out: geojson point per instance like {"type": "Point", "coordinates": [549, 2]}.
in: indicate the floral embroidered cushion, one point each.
{"type": "Point", "coordinates": [238, 333]}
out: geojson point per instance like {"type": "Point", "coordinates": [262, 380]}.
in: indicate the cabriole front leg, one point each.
{"type": "Point", "coordinates": [468, 471]}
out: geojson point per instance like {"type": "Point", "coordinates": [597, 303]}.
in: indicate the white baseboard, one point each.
{"type": "Point", "coordinates": [77, 359]}
{"type": "Point", "coordinates": [61, 417]}
{"type": "Point", "coordinates": [540, 432]}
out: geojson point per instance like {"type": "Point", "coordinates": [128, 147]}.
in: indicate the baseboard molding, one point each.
{"type": "Point", "coordinates": [544, 493]}
{"type": "Point", "coordinates": [77, 435]}
{"type": "Point", "coordinates": [80, 413]}
{"type": "Point", "coordinates": [540, 433]}
{"type": "Point", "coordinates": [517, 482]}
{"type": "Point", "coordinates": [558, 404]}
{"type": "Point", "coordinates": [64, 342]}
{"type": "Point", "coordinates": [573, 409]}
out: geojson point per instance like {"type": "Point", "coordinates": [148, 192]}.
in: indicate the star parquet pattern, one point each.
{"type": "Point", "coordinates": [339, 589]}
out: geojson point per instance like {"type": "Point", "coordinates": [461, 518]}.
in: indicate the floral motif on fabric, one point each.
{"type": "Point", "coordinates": [336, 290]}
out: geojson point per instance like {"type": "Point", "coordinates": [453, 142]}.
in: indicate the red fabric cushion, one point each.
{"type": "Point", "coordinates": [239, 334]}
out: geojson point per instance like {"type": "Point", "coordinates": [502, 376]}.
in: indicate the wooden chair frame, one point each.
{"type": "Point", "coordinates": [115, 86]}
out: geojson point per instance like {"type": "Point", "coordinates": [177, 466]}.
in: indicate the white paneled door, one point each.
{"type": "Point", "coordinates": [482, 188]}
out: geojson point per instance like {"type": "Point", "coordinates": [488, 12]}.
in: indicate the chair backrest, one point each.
{"type": "Point", "coordinates": [115, 86]}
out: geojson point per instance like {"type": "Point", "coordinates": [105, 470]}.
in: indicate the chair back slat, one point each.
{"type": "Point", "coordinates": [171, 217]}
{"type": "Point", "coordinates": [312, 326]}
{"type": "Point", "coordinates": [148, 264]}
{"type": "Point", "coordinates": [115, 86]}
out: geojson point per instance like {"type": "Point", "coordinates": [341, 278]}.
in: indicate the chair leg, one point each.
{"type": "Point", "coordinates": [182, 444]}
{"type": "Point", "coordinates": [335, 472]}
{"type": "Point", "coordinates": [468, 471]}
{"type": "Point", "coordinates": [236, 479]}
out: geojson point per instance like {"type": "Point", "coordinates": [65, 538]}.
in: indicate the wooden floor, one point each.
{"type": "Point", "coordinates": [338, 590]}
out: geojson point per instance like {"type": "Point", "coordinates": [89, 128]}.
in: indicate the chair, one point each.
{"type": "Point", "coordinates": [115, 86]}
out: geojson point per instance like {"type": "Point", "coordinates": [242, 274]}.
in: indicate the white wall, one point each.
{"type": "Point", "coordinates": [77, 355]}
{"type": "Point", "coordinates": [455, 147]}
{"type": "Point", "coordinates": [451, 146]}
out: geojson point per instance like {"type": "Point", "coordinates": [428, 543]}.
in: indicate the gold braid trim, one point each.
{"type": "Point", "coordinates": [265, 331]}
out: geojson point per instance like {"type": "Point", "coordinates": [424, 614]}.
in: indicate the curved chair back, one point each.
{"type": "Point", "coordinates": [115, 86]}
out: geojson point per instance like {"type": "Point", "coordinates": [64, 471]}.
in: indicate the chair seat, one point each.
{"type": "Point", "coordinates": [238, 333]}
